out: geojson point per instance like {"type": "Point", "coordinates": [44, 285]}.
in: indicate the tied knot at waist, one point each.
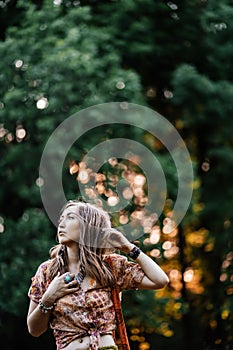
{"type": "Point", "coordinates": [94, 338]}
{"type": "Point", "coordinates": [95, 335]}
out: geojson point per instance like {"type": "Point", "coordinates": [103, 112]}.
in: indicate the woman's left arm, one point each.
{"type": "Point", "coordinates": [155, 277]}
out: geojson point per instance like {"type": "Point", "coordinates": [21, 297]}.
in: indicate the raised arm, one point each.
{"type": "Point", "coordinates": [155, 277]}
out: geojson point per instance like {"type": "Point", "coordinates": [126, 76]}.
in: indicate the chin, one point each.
{"type": "Point", "coordinates": [67, 241]}
{"type": "Point", "coordinates": [63, 240]}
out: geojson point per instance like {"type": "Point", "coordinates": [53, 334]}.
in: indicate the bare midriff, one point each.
{"type": "Point", "coordinates": [83, 343]}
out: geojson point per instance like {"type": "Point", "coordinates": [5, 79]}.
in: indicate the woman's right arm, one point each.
{"type": "Point", "coordinates": [37, 319]}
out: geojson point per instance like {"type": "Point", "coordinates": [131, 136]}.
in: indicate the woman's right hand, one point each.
{"type": "Point", "coordinates": [58, 288]}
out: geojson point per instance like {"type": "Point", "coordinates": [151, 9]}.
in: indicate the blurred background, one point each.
{"type": "Point", "coordinates": [175, 57]}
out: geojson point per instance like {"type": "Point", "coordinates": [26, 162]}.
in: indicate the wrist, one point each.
{"type": "Point", "coordinates": [134, 252]}
{"type": "Point", "coordinates": [45, 308]}
{"type": "Point", "coordinates": [47, 299]}
{"type": "Point", "coordinates": [128, 248]}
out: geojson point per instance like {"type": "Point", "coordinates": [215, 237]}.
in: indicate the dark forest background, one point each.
{"type": "Point", "coordinates": [175, 57]}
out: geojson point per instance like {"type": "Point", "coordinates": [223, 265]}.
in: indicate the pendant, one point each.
{"type": "Point", "coordinates": [92, 282]}
{"type": "Point", "coordinates": [79, 277]}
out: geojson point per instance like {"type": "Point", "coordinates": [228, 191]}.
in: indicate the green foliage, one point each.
{"type": "Point", "coordinates": [204, 93]}
{"type": "Point", "coordinates": [24, 245]}
{"type": "Point", "coordinates": [71, 64]}
{"type": "Point", "coordinates": [175, 57]}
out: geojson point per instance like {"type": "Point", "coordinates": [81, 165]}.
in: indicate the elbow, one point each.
{"type": "Point", "coordinates": [166, 280]}
{"type": "Point", "coordinates": [35, 332]}
{"type": "Point", "coordinates": [163, 282]}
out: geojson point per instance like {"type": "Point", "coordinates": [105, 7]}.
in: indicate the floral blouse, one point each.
{"type": "Point", "coordinates": [85, 313]}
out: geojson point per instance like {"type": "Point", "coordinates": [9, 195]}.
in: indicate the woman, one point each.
{"type": "Point", "coordinates": [72, 292]}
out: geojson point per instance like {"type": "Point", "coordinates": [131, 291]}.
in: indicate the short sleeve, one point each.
{"type": "Point", "coordinates": [39, 283]}
{"type": "Point", "coordinates": [128, 274]}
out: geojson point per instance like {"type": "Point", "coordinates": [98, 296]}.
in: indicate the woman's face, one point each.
{"type": "Point", "coordinates": [68, 226]}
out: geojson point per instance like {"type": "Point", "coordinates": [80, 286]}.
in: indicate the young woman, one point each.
{"type": "Point", "coordinates": [72, 292]}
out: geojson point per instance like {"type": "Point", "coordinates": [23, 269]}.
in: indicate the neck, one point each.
{"type": "Point", "coordinates": [73, 255]}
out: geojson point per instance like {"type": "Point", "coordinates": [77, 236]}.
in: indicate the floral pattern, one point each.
{"type": "Point", "coordinates": [85, 313]}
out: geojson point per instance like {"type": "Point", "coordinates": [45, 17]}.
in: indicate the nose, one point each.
{"type": "Point", "coordinates": [61, 223]}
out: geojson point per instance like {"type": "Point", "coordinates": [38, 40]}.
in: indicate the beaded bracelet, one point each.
{"type": "Point", "coordinates": [44, 308]}
{"type": "Point", "coordinates": [134, 253]}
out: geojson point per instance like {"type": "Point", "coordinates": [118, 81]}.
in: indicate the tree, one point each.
{"type": "Point", "coordinates": [204, 94]}
{"type": "Point", "coordinates": [52, 66]}
{"type": "Point", "coordinates": [71, 56]}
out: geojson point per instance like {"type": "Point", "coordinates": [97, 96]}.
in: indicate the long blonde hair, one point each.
{"type": "Point", "coordinates": [94, 230]}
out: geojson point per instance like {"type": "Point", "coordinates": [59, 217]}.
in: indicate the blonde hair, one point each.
{"type": "Point", "coordinates": [94, 230]}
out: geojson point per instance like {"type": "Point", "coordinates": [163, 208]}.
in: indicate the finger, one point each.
{"type": "Point", "coordinates": [73, 287]}
{"type": "Point", "coordinates": [72, 284]}
{"type": "Point", "coordinates": [57, 275]}
{"type": "Point", "coordinates": [68, 277]}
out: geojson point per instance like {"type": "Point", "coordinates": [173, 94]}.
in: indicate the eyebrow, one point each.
{"type": "Point", "coordinates": [71, 212]}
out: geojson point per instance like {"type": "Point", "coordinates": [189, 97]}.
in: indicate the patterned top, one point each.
{"type": "Point", "coordinates": [85, 313]}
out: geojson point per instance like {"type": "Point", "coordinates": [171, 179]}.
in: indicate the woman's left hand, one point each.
{"type": "Point", "coordinates": [117, 240]}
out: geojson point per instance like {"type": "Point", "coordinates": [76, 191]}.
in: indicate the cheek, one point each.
{"type": "Point", "coordinates": [74, 226]}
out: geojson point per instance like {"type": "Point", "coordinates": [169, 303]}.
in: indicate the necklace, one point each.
{"type": "Point", "coordinates": [80, 275]}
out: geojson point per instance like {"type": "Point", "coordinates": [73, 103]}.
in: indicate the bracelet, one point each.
{"type": "Point", "coordinates": [44, 308]}
{"type": "Point", "coordinates": [134, 253]}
